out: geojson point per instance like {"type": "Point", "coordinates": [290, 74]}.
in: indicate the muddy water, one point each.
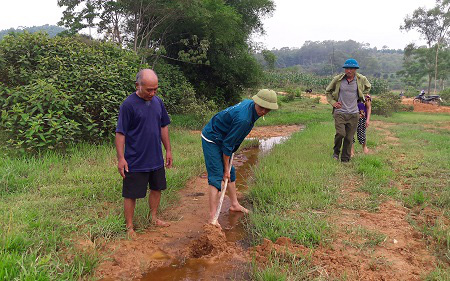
{"type": "Point", "coordinates": [231, 222]}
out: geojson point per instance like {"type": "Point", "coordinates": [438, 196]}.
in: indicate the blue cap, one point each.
{"type": "Point", "coordinates": [351, 63]}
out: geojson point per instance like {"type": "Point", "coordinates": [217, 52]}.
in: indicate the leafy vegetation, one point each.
{"type": "Point", "coordinates": [209, 42]}
{"type": "Point", "coordinates": [63, 90]}
{"type": "Point", "coordinates": [292, 77]}
{"type": "Point", "coordinates": [388, 103]}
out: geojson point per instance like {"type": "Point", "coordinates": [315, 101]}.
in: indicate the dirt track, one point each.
{"type": "Point", "coordinates": [402, 255]}
{"type": "Point", "coordinates": [187, 239]}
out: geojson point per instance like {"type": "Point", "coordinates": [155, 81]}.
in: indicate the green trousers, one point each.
{"type": "Point", "coordinates": [345, 125]}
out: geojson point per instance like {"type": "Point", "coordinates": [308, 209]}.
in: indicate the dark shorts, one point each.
{"type": "Point", "coordinates": [135, 184]}
{"type": "Point", "coordinates": [214, 164]}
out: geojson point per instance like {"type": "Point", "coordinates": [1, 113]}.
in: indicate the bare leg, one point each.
{"type": "Point", "coordinates": [213, 202]}
{"type": "Point", "coordinates": [365, 149]}
{"type": "Point", "coordinates": [235, 206]}
{"type": "Point", "coordinates": [153, 202]}
{"type": "Point", "coordinates": [128, 205]}
{"type": "Point", "coordinates": [352, 152]}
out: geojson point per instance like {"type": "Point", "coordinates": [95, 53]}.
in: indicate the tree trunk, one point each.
{"type": "Point", "coordinates": [436, 67]}
{"type": "Point", "coordinates": [429, 83]}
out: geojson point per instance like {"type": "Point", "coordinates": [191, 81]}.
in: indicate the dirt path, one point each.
{"type": "Point", "coordinates": [379, 245]}
{"type": "Point", "coordinates": [187, 242]}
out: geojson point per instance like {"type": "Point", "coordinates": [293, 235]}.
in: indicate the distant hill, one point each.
{"type": "Point", "coordinates": [52, 30]}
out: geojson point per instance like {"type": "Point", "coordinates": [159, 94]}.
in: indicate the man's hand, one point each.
{"type": "Point", "coordinates": [169, 159]}
{"type": "Point", "coordinates": [367, 123]}
{"type": "Point", "coordinates": [122, 166]}
{"type": "Point", "coordinates": [337, 105]}
{"type": "Point", "coordinates": [226, 175]}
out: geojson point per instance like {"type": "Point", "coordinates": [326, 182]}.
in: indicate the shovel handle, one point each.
{"type": "Point", "coordinates": [222, 195]}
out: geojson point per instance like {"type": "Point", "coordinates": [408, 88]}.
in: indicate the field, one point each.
{"type": "Point", "coordinates": [385, 215]}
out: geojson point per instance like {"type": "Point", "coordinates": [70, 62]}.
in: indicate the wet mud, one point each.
{"type": "Point", "coordinates": [189, 249]}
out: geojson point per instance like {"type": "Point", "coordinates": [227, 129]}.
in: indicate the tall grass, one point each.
{"type": "Point", "coordinates": [52, 202]}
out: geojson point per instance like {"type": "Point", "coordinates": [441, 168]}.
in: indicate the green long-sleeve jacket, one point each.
{"type": "Point", "coordinates": [332, 90]}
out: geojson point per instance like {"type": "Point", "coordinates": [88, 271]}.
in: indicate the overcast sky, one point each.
{"type": "Point", "coordinates": [375, 22]}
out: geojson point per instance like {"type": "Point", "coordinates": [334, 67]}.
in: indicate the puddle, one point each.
{"type": "Point", "coordinates": [231, 222]}
{"type": "Point", "coordinates": [185, 270]}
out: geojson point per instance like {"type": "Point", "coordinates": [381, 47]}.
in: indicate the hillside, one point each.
{"type": "Point", "coordinates": [52, 30]}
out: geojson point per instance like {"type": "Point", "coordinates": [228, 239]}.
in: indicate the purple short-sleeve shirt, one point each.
{"type": "Point", "coordinates": [140, 121]}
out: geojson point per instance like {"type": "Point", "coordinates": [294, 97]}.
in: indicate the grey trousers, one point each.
{"type": "Point", "coordinates": [345, 125]}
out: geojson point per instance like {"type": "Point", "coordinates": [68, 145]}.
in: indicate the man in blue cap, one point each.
{"type": "Point", "coordinates": [343, 93]}
{"type": "Point", "coordinates": [222, 136]}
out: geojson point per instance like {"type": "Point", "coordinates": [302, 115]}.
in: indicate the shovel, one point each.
{"type": "Point", "coordinates": [222, 195]}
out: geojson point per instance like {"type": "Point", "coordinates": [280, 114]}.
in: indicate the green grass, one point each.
{"type": "Point", "coordinates": [299, 111]}
{"type": "Point", "coordinates": [52, 202]}
{"type": "Point", "coordinates": [288, 187]}
{"type": "Point", "coordinates": [422, 164]}
{"type": "Point", "coordinates": [414, 118]}
{"type": "Point", "coordinates": [297, 181]}
{"type": "Point", "coordinates": [286, 266]}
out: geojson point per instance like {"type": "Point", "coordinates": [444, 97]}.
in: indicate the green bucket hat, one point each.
{"type": "Point", "coordinates": [266, 98]}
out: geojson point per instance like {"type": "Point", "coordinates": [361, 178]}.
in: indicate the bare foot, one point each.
{"type": "Point", "coordinates": [366, 150]}
{"type": "Point", "coordinates": [239, 209]}
{"type": "Point", "coordinates": [131, 234]}
{"type": "Point", "coordinates": [161, 223]}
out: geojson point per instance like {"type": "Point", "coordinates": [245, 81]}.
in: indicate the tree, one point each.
{"type": "Point", "coordinates": [433, 24]}
{"type": "Point", "coordinates": [417, 63]}
{"type": "Point", "coordinates": [270, 58]}
{"type": "Point", "coordinates": [207, 39]}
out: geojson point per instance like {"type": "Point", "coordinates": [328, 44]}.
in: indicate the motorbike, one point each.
{"type": "Point", "coordinates": [433, 99]}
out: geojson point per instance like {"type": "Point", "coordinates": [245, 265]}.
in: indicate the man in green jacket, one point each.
{"type": "Point", "coordinates": [343, 93]}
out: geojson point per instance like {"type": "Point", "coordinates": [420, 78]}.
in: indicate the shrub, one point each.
{"type": "Point", "coordinates": [379, 86]}
{"type": "Point", "coordinates": [38, 115]}
{"type": "Point", "coordinates": [69, 89]}
{"type": "Point", "coordinates": [386, 104]}
{"type": "Point", "coordinates": [445, 95]}
{"type": "Point", "coordinates": [174, 89]}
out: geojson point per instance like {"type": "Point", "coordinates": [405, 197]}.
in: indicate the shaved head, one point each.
{"type": "Point", "coordinates": [146, 74]}
{"type": "Point", "coordinates": [146, 84]}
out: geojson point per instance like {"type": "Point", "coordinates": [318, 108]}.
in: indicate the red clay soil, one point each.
{"type": "Point", "coordinates": [402, 255]}
{"type": "Point", "coordinates": [426, 107]}
{"type": "Point", "coordinates": [274, 131]}
{"type": "Point", "coordinates": [186, 238]}
{"type": "Point", "coordinates": [379, 245]}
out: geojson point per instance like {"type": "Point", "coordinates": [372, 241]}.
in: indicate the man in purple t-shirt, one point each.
{"type": "Point", "coordinates": [141, 127]}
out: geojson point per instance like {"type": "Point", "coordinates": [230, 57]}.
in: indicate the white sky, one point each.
{"type": "Point", "coordinates": [375, 22]}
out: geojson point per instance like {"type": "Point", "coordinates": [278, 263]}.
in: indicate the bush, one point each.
{"type": "Point", "coordinates": [68, 89]}
{"type": "Point", "coordinates": [88, 82]}
{"type": "Point", "coordinates": [379, 86]}
{"type": "Point", "coordinates": [386, 104]}
{"type": "Point", "coordinates": [174, 89]}
{"type": "Point", "coordinates": [38, 115]}
{"type": "Point", "coordinates": [445, 95]}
